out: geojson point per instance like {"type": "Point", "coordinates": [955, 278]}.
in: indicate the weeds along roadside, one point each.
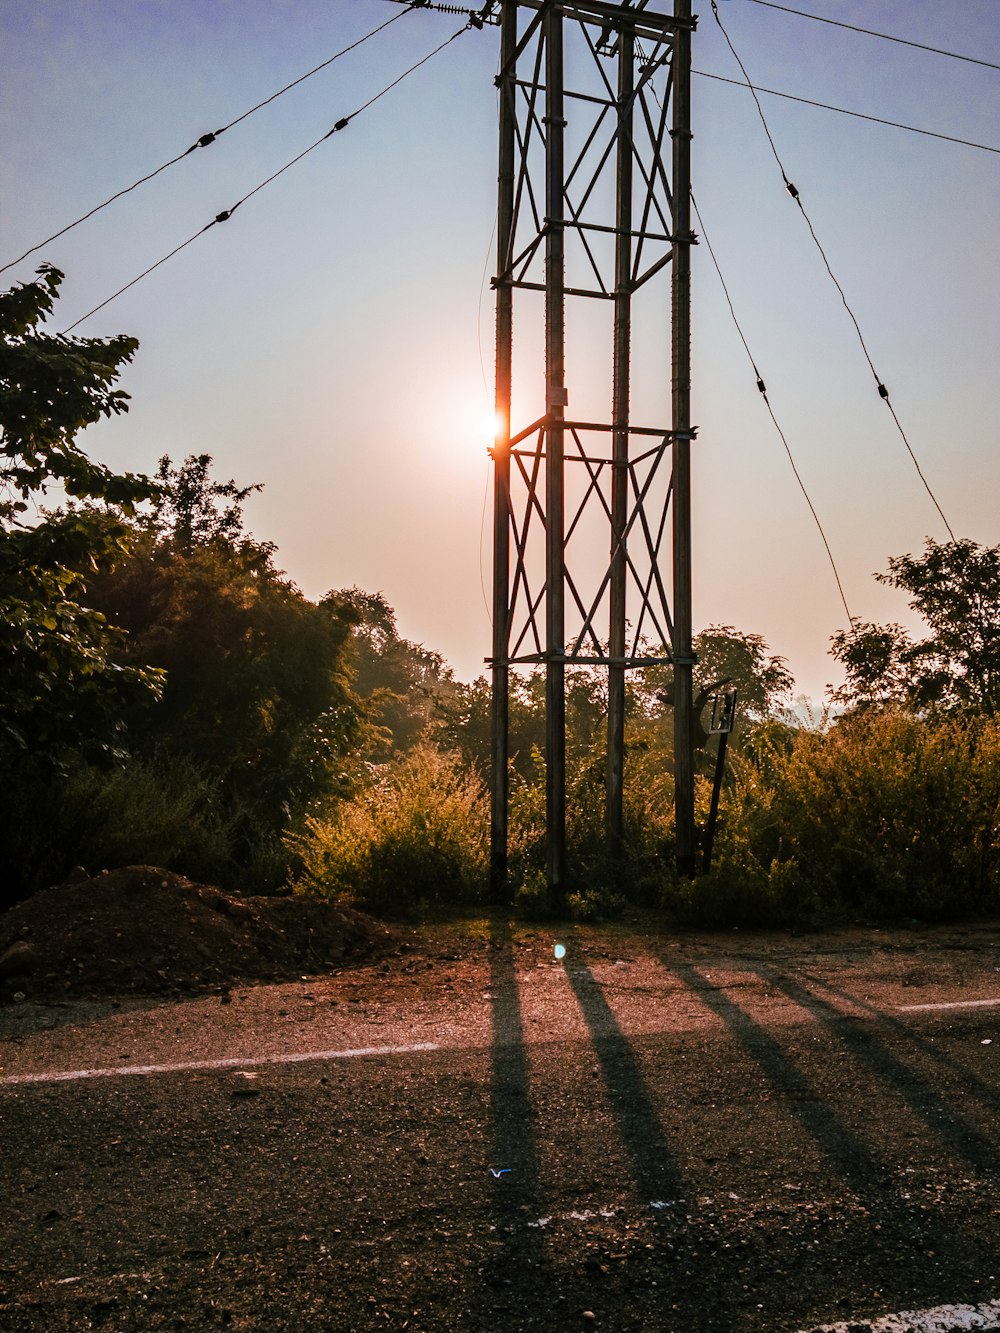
{"type": "Point", "coordinates": [880, 815]}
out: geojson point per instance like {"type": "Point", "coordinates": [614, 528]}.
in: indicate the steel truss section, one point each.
{"type": "Point", "coordinates": [590, 505]}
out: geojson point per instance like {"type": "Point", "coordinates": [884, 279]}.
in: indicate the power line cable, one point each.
{"type": "Point", "coordinates": [858, 115]}
{"type": "Point", "coordinates": [762, 389]}
{"type": "Point", "coordinates": [227, 213]}
{"type": "Point", "coordinates": [869, 32]}
{"type": "Point", "coordinates": [793, 191]}
{"type": "Point", "coordinates": [206, 139]}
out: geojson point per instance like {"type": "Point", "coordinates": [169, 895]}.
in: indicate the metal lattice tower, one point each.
{"type": "Point", "coordinates": [591, 496]}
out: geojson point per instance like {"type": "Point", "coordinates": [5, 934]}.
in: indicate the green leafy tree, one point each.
{"type": "Point", "coordinates": [63, 683]}
{"type": "Point", "coordinates": [728, 658]}
{"type": "Point", "coordinates": [257, 693]}
{"type": "Point", "coordinates": [401, 683]}
{"type": "Point", "coordinates": [51, 387]}
{"type": "Point", "coordinates": [193, 509]}
{"type": "Point", "coordinates": [761, 679]}
{"type": "Point", "coordinates": [955, 587]}
{"type": "Point", "coordinates": [463, 721]}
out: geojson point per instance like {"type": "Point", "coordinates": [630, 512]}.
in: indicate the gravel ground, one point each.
{"type": "Point", "coordinates": [657, 1132]}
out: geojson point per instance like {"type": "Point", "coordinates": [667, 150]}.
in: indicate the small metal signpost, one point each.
{"type": "Point", "coordinates": [723, 721]}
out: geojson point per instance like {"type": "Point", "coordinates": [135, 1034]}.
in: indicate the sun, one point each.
{"type": "Point", "coordinates": [473, 422]}
{"type": "Point", "coordinates": [491, 427]}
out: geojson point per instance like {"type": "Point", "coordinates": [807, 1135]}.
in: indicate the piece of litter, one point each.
{"type": "Point", "coordinates": [503, 1171]}
{"type": "Point", "coordinates": [560, 951]}
{"type": "Point", "coordinates": [986, 1041]}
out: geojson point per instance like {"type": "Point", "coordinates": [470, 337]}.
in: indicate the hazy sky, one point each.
{"type": "Point", "coordinates": [333, 340]}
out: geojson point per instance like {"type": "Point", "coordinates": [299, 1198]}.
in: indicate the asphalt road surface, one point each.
{"type": "Point", "coordinates": [652, 1133]}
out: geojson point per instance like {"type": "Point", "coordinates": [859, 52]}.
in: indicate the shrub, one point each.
{"type": "Point", "coordinates": [162, 813]}
{"type": "Point", "coordinates": [531, 897]}
{"type": "Point", "coordinates": [595, 904]}
{"type": "Point", "coordinates": [884, 814]}
{"type": "Point", "coordinates": [738, 894]}
{"type": "Point", "coordinates": [599, 885]}
{"type": "Point", "coordinates": [416, 835]}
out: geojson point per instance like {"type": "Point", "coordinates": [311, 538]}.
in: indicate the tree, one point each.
{"type": "Point", "coordinates": [724, 653]}
{"type": "Point", "coordinates": [51, 387]}
{"type": "Point", "coordinates": [727, 658]}
{"type": "Point", "coordinates": [62, 680]}
{"type": "Point", "coordinates": [762, 680]}
{"type": "Point", "coordinates": [401, 683]}
{"type": "Point", "coordinates": [190, 511]}
{"type": "Point", "coordinates": [463, 723]}
{"type": "Point", "coordinates": [955, 587]}
{"type": "Point", "coordinates": [256, 691]}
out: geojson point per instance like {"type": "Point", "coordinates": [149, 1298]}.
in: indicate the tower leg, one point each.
{"type": "Point", "coordinates": [615, 781]}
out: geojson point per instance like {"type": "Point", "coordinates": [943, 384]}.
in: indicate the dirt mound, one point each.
{"type": "Point", "coordinates": [145, 931]}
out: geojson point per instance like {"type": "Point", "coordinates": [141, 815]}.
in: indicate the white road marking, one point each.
{"type": "Point", "coordinates": [950, 1004]}
{"type": "Point", "coordinates": [941, 1319]}
{"type": "Point", "coordinates": [298, 1057]}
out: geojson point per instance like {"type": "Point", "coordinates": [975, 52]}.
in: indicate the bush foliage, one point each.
{"type": "Point", "coordinates": [415, 836]}
{"type": "Point", "coordinates": [884, 814]}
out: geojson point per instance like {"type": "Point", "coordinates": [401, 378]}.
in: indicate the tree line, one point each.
{"type": "Point", "coordinates": [168, 696]}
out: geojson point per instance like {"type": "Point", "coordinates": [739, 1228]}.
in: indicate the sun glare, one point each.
{"type": "Point", "coordinates": [473, 419]}
{"type": "Point", "coordinates": [492, 426]}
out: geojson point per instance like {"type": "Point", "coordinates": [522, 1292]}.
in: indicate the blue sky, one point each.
{"type": "Point", "coordinates": [333, 340]}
